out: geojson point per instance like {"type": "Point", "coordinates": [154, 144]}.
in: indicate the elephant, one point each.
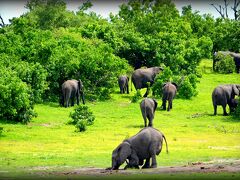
{"type": "Point", "coordinates": [141, 78]}
{"type": "Point", "coordinates": [216, 57]}
{"type": "Point", "coordinates": [146, 144]}
{"type": "Point", "coordinates": [148, 107]}
{"type": "Point", "coordinates": [236, 58]}
{"type": "Point", "coordinates": [71, 89]}
{"type": "Point", "coordinates": [223, 94]}
{"type": "Point", "coordinates": [123, 84]}
{"type": "Point", "coordinates": [169, 92]}
{"type": "Point", "coordinates": [233, 104]}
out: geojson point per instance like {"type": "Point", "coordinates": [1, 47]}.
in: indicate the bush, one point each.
{"type": "Point", "coordinates": [225, 64]}
{"type": "Point", "coordinates": [160, 79]}
{"type": "Point", "coordinates": [16, 102]}
{"type": "Point", "coordinates": [136, 96]}
{"type": "Point", "coordinates": [187, 87]}
{"type": "Point", "coordinates": [82, 117]}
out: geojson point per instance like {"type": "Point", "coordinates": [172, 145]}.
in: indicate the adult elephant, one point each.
{"type": "Point", "coordinates": [148, 107]}
{"type": "Point", "coordinates": [72, 89]}
{"type": "Point", "coordinates": [223, 95]}
{"type": "Point", "coordinates": [141, 78]}
{"type": "Point", "coordinates": [169, 92]}
{"type": "Point", "coordinates": [146, 144]}
{"type": "Point", "coordinates": [236, 58]}
{"type": "Point", "coordinates": [123, 84]}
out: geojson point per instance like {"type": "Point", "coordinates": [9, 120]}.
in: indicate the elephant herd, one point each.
{"type": "Point", "coordinates": [147, 143]}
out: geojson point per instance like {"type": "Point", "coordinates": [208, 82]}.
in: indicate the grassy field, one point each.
{"type": "Point", "coordinates": [192, 132]}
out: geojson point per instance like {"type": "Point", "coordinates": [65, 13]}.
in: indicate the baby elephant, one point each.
{"type": "Point", "coordinates": [123, 84]}
{"type": "Point", "coordinates": [146, 144]}
{"type": "Point", "coordinates": [169, 92]}
{"type": "Point", "coordinates": [148, 107]}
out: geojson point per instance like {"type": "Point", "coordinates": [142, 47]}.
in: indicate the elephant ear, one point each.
{"type": "Point", "coordinates": [236, 89]}
{"type": "Point", "coordinates": [155, 104]}
{"type": "Point", "coordinates": [80, 85]}
{"type": "Point", "coordinates": [175, 84]}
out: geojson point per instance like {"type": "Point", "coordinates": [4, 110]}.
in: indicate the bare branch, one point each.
{"type": "Point", "coordinates": [226, 5]}
{"type": "Point", "coordinates": [220, 10]}
{"type": "Point", "coordinates": [2, 24]}
{"type": "Point", "coordinates": [235, 9]}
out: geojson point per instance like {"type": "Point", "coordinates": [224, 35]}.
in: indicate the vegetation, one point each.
{"type": "Point", "coordinates": [49, 44]}
{"type": "Point", "coordinates": [193, 133]}
{"type": "Point", "coordinates": [225, 64]}
{"type": "Point", "coordinates": [82, 117]}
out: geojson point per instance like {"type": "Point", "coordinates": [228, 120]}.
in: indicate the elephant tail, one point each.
{"type": "Point", "coordinates": [165, 142]}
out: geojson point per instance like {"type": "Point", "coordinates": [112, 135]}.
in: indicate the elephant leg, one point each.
{"type": "Point", "coordinates": [164, 104]}
{"type": "Point", "coordinates": [147, 164]}
{"type": "Point", "coordinates": [169, 105]}
{"type": "Point", "coordinates": [224, 110]}
{"type": "Point", "coordinates": [78, 99]}
{"type": "Point", "coordinates": [127, 89]}
{"type": "Point", "coordinates": [145, 122]}
{"type": "Point", "coordinates": [215, 109]}
{"type": "Point", "coordinates": [150, 123]}
{"type": "Point", "coordinates": [154, 161]}
{"type": "Point", "coordinates": [72, 101]}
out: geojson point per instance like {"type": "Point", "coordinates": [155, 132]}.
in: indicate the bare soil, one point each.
{"type": "Point", "coordinates": [198, 167]}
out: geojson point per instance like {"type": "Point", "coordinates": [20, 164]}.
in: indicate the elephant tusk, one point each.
{"type": "Point", "coordinates": [127, 162]}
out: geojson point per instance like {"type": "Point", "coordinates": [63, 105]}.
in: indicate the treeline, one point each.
{"type": "Point", "coordinates": [49, 44]}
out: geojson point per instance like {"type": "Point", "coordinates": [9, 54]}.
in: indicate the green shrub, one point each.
{"type": "Point", "coordinates": [16, 98]}
{"type": "Point", "coordinates": [136, 96]}
{"type": "Point", "coordinates": [187, 88]}
{"type": "Point", "coordinates": [225, 64]}
{"type": "Point", "coordinates": [82, 117]}
{"type": "Point", "coordinates": [160, 79]}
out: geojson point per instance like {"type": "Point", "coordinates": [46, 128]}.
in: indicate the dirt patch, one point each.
{"type": "Point", "coordinates": [197, 167]}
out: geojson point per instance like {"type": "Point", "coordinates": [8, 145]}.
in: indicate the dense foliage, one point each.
{"type": "Point", "coordinates": [225, 64]}
{"type": "Point", "coordinates": [49, 44]}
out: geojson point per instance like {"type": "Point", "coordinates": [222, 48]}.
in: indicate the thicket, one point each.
{"type": "Point", "coordinates": [49, 44]}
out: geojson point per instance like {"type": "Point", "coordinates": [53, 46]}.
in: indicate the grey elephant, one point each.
{"type": "Point", "coordinates": [148, 107]}
{"type": "Point", "coordinates": [169, 91]}
{"type": "Point", "coordinates": [123, 84]}
{"type": "Point", "coordinates": [141, 78]}
{"type": "Point", "coordinates": [146, 144]}
{"type": "Point", "coordinates": [223, 94]}
{"type": "Point", "coordinates": [72, 89]}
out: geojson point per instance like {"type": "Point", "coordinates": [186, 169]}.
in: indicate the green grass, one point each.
{"type": "Point", "coordinates": [192, 132]}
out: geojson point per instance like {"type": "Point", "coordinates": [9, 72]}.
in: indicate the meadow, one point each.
{"type": "Point", "coordinates": [192, 132]}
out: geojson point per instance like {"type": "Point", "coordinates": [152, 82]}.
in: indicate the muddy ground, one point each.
{"type": "Point", "coordinates": [198, 167]}
{"type": "Point", "coordinates": [226, 167]}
